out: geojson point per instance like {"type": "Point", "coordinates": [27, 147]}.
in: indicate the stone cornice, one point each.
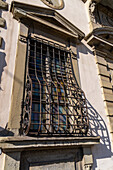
{"type": "Point", "coordinates": [41, 15]}
{"type": "Point", "coordinates": [20, 143]}
{"type": "Point", "coordinates": [3, 5]}
{"type": "Point", "coordinates": [101, 39]}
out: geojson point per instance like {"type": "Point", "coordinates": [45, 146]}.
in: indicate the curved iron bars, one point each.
{"type": "Point", "coordinates": [53, 104]}
{"type": "Point", "coordinates": [27, 99]}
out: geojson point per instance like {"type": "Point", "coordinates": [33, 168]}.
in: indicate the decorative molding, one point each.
{"type": "Point", "coordinates": [18, 143]}
{"type": "Point", "coordinates": [3, 5]}
{"type": "Point", "coordinates": [55, 4]}
{"type": "Point", "coordinates": [18, 86]}
{"type": "Point", "coordinates": [16, 148]}
{"type": "Point", "coordinates": [88, 167]}
{"type": "Point", "coordinates": [42, 15]}
{"type": "Point", "coordinates": [100, 15]}
{"type": "Point", "coordinates": [2, 22]}
{"type": "Point", "coordinates": [101, 37]}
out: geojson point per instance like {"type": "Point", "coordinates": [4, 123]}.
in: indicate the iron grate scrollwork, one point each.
{"type": "Point", "coordinates": [53, 102]}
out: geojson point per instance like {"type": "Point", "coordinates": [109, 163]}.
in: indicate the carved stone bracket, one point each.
{"type": "Point", "coordinates": [87, 158]}
{"type": "Point", "coordinates": [88, 167]}
{"type": "Point", "coordinates": [100, 14]}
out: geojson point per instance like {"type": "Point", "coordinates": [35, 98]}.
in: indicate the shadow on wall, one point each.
{"type": "Point", "coordinates": [97, 127]}
{"type": "Point", "coordinates": [97, 124]}
{"type": "Point", "coordinates": [83, 48]}
{"type": "Point", "coordinates": [5, 132]}
{"type": "Point", "coordinates": [2, 65]}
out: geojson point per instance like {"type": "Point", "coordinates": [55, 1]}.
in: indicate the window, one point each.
{"type": "Point", "coordinates": [53, 102]}
{"type": "Point", "coordinates": [45, 79]}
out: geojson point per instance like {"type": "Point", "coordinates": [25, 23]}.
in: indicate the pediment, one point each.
{"type": "Point", "coordinates": [45, 16]}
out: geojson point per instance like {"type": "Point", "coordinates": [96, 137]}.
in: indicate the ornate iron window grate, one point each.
{"type": "Point", "coordinates": [53, 103]}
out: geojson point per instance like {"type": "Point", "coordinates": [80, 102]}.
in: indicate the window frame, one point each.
{"type": "Point", "coordinates": [37, 121]}
{"type": "Point", "coordinates": [66, 29]}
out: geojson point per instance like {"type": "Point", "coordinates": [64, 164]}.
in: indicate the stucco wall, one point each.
{"type": "Point", "coordinates": [7, 64]}
{"type": "Point", "coordinates": [99, 124]}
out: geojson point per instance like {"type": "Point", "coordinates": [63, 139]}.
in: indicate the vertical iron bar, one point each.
{"type": "Point", "coordinates": [54, 63]}
{"type": "Point", "coordinates": [45, 82]}
{"type": "Point", "coordinates": [62, 86]}
{"type": "Point", "coordinates": [35, 56]}
{"type": "Point", "coordinates": [51, 75]}
{"type": "Point", "coordinates": [29, 95]}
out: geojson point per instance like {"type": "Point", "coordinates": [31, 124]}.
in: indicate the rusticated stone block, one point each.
{"type": "Point", "coordinates": [110, 111]}
{"type": "Point", "coordinates": [100, 60]}
{"type": "Point", "coordinates": [111, 123]}
{"type": "Point", "coordinates": [3, 5]}
{"type": "Point", "coordinates": [108, 91]}
{"type": "Point", "coordinates": [2, 22]}
{"type": "Point", "coordinates": [104, 81]}
{"type": "Point", "coordinates": [108, 97]}
{"type": "Point", "coordinates": [103, 70]}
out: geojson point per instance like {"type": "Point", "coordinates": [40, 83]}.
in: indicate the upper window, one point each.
{"type": "Point", "coordinates": [54, 103]}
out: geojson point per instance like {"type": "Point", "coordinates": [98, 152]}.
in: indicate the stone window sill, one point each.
{"type": "Point", "coordinates": [22, 143]}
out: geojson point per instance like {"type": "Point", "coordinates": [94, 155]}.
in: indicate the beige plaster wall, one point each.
{"type": "Point", "coordinates": [99, 125]}
{"type": "Point", "coordinates": [7, 60]}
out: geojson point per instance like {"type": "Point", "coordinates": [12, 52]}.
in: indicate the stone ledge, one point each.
{"type": "Point", "coordinates": [3, 5]}
{"type": "Point", "coordinates": [2, 22]}
{"type": "Point", "coordinates": [20, 143]}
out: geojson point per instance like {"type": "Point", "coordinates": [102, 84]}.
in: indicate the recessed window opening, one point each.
{"type": "Point", "coordinates": [54, 104]}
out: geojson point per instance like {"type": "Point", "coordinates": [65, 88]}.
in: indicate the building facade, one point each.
{"type": "Point", "coordinates": [56, 84]}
